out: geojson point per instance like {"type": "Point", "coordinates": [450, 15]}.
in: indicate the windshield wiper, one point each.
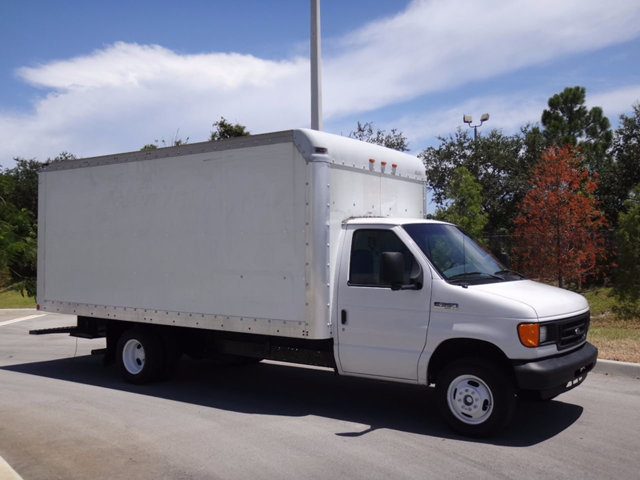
{"type": "Point", "coordinates": [509, 272]}
{"type": "Point", "coordinates": [465, 274]}
{"type": "Point", "coordinates": [461, 276]}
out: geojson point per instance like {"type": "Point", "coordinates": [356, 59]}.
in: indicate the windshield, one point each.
{"type": "Point", "coordinates": [458, 258]}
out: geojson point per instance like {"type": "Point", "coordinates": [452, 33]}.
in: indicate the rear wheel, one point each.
{"type": "Point", "coordinates": [475, 397]}
{"type": "Point", "coordinates": [140, 355]}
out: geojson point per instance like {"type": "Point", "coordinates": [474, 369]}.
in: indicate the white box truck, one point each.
{"type": "Point", "coordinates": [304, 247]}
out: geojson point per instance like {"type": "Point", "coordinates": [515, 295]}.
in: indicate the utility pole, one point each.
{"type": "Point", "coordinates": [316, 74]}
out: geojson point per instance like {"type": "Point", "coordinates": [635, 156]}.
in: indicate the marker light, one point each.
{"type": "Point", "coordinates": [529, 334]}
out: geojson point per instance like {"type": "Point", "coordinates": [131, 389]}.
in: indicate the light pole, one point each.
{"type": "Point", "coordinates": [467, 119]}
{"type": "Point", "coordinates": [316, 86]}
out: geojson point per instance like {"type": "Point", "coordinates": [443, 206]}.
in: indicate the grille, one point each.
{"type": "Point", "coordinates": [570, 331]}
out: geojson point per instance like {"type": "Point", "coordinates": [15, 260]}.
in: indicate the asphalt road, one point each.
{"type": "Point", "coordinates": [63, 415]}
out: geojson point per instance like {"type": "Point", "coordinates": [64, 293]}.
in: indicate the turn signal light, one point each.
{"type": "Point", "coordinates": [529, 334]}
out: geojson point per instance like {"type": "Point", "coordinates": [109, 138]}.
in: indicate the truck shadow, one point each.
{"type": "Point", "coordinates": [279, 389]}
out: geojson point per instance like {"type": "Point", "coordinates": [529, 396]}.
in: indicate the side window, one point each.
{"type": "Point", "coordinates": [366, 249]}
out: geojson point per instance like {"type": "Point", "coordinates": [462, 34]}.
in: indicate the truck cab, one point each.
{"type": "Point", "coordinates": [419, 301]}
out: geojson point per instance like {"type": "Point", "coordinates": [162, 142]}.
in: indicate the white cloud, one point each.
{"type": "Point", "coordinates": [508, 113]}
{"type": "Point", "coordinates": [130, 65]}
{"type": "Point", "coordinates": [433, 46]}
{"type": "Point", "coordinates": [125, 95]}
{"type": "Point", "coordinates": [616, 102]}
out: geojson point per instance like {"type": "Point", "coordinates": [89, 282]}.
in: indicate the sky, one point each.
{"type": "Point", "coordinates": [95, 78]}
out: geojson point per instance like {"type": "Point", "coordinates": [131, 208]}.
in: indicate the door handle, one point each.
{"type": "Point", "coordinates": [343, 317]}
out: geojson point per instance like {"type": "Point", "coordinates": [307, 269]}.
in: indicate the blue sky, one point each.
{"type": "Point", "coordinates": [95, 78]}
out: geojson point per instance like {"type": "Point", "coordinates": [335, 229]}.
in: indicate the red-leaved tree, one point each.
{"type": "Point", "coordinates": [559, 228]}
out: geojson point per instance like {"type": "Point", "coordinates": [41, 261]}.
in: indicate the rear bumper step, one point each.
{"type": "Point", "coordinates": [74, 331]}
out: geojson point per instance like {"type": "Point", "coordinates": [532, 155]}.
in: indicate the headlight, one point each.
{"type": "Point", "coordinates": [544, 334]}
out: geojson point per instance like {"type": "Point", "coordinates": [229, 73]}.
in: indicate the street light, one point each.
{"type": "Point", "coordinates": [316, 87]}
{"type": "Point", "coordinates": [467, 119]}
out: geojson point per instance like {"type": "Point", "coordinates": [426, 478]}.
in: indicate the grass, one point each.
{"type": "Point", "coordinates": [12, 299]}
{"type": "Point", "coordinates": [616, 338]}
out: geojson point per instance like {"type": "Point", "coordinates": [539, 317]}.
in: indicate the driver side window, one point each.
{"type": "Point", "coordinates": [367, 246]}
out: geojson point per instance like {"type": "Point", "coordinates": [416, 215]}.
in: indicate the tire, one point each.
{"type": "Point", "coordinates": [140, 356]}
{"type": "Point", "coordinates": [475, 397]}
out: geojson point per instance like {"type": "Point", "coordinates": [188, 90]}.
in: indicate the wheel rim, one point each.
{"type": "Point", "coordinates": [133, 356]}
{"type": "Point", "coordinates": [470, 399]}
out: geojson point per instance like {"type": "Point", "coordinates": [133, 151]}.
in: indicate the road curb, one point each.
{"type": "Point", "coordinates": [621, 369]}
{"type": "Point", "coordinates": [6, 472]}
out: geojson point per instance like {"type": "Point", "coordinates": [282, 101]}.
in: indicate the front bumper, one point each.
{"type": "Point", "coordinates": [555, 375]}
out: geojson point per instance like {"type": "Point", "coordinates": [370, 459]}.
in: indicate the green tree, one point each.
{"type": "Point", "coordinates": [568, 122]}
{"type": "Point", "coordinates": [627, 274]}
{"type": "Point", "coordinates": [22, 187]}
{"type": "Point", "coordinates": [394, 139]}
{"type": "Point", "coordinates": [18, 213]}
{"type": "Point", "coordinates": [18, 221]}
{"type": "Point", "coordinates": [18, 248]}
{"type": "Point", "coordinates": [626, 153]}
{"type": "Point", "coordinates": [465, 208]}
{"type": "Point", "coordinates": [176, 142]}
{"type": "Point", "coordinates": [499, 163]}
{"type": "Point", "coordinates": [225, 129]}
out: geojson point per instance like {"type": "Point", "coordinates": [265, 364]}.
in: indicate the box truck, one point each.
{"type": "Point", "coordinates": [304, 247]}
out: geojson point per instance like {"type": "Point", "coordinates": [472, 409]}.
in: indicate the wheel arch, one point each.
{"type": "Point", "coordinates": [458, 348]}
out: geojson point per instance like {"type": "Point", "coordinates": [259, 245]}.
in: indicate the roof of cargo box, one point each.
{"type": "Point", "coordinates": [352, 153]}
{"type": "Point", "coordinates": [313, 145]}
{"type": "Point", "coordinates": [392, 221]}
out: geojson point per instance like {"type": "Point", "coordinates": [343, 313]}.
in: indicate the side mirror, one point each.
{"type": "Point", "coordinates": [392, 272]}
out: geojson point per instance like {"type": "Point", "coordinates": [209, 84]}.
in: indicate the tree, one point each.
{"type": "Point", "coordinates": [627, 275]}
{"type": "Point", "coordinates": [18, 214]}
{"type": "Point", "coordinates": [499, 163]}
{"type": "Point", "coordinates": [176, 142]}
{"type": "Point", "coordinates": [224, 129]}
{"type": "Point", "coordinates": [626, 152]}
{"type": "Point", "coordinates": [465, 209]}
{"type": "Point", "coordinates": [559, 227]}
{"type": "Point", "coordinates": [569, 122]}
{"type": "Point", "coordinates": [394, 139]}
{"type": "Point", "coordinates": [18, 221]}
{"type": "Point", "coordinates": [23, 189]}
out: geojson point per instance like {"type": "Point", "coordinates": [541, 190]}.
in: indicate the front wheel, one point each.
{"type": "Point", "coordinates": [475, 397]}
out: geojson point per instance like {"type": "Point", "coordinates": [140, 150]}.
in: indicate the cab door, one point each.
{"type": "Point", "coordinates": [381, 332]}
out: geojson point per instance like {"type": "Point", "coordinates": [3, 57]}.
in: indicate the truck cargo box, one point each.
{"type": "Point", "coordinates": [237, 235]}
